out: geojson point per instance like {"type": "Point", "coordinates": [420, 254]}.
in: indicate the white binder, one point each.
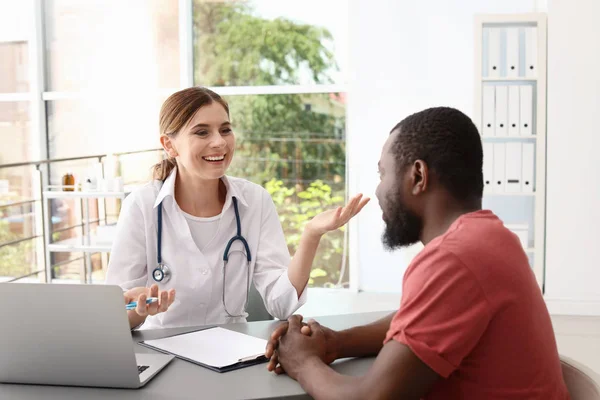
{"type": "Point", "coordinates": [526, 107]}
{"type": "Point", "coordinates": [528, 167]}
{"type": "Point", "coordinates": [513, 167]}
{"type": "Point", "coordinates": [513, 111]}
{"type": "Point", "coordinates": [522, 232]}
{"type": "Point", "coordinates": [488, 167]}
{"type": "Point", "coordinates": [512, 52]}
{"type": "Point", "coordinates": [501, 110]}
{"type": "Point", "coordinates": [494, 52]}
{"type": "Point", "coordinates": [531, 52]}
{"type": "Point", "coordinates": [499, 167]}
{"type": "Point", "coordinates": [487, 123]}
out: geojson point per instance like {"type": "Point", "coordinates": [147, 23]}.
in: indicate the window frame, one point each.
{"type": "Point", "coordinates": [38, 96]}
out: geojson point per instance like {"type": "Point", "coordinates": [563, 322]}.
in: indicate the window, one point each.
{"type": "Point", "coordinates": [111, 44]}
{"type": "Point", "coordinates": [281, 67]}
{"type": "Point", "coordinates": [14, 67]}
{"type": "Point", "coordinates": [101, 125]}
{"type": "Point", "coordinates": [109, 65]}
{"type": "Point", "coordinates": [19, 238]}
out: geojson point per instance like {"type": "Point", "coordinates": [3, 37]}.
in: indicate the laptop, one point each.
{"type": "Point", "coordinates": [71, 335]}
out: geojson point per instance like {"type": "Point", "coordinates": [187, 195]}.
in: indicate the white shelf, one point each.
{"type": "Point", "coordinates": [530, 137]}
{"type": "Point", "coordinates": [483, 82]}
{"type": "Point", "coordinates": [504, 194]}
{"type": "Point", "coordinates": [60, 194]}
{"type": "Point", "coordinates": [508, 79]}
{"type": "Point", "coordinates": [80, 244]}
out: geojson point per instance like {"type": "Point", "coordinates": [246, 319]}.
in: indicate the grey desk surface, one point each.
{"type": "Point", "coordinates": [184, 380]}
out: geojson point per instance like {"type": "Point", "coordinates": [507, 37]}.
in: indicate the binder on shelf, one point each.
{"type": "Point", "coordinates": [512, 52]}
{"type": "Point", "coordinates": [513, 167]}
{"type": "Point", "coordinates": [526, 107]}
{"type": "Point", "coordinates": [501, 110]}
{"type": "Point", "coordinates": [488, 123]}
{"type": "Point", "coordinates": [499, 167]}
{"type": "Point", "coordinates": [522, 232]}
{"type": "Point", "coordinates": [493, 56]}
{"type": "Point", "coordinates": [488, 167]}
{"type": "Point", "coordinates": [531, 52]}
{"type": "Point", "coordinates": [513, 111]}
{"type": "Point", "coordinates": [528, 160]}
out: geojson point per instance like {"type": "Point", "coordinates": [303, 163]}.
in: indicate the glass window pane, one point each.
{"type": "Point", "coordinates": [137, 168]}
{"type": "Point", "coordinates": [100, 126]}
{"type": "Point", "coordinates": [68, 270]}
{"type": "Point", "coordinates": [295, 146]}
{"type": "Point", "coordinates": [19, 259]}
{"type": "Point", "coordinates": [270, 42]}
{"type": "Point", "coordinates": [16, 20]}
{"type": "Point", "coordinates": [18, 222]}
{"type": "Point", "coordinates": [14, 68]}
{"type": "Point", "coordinates": [17, 184]}
{"type": "Point", "coordinates": [15, 133]}
{"type": "Point", "coordinates": [112, 44]}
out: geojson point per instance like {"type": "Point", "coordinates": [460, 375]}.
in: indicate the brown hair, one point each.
{"type": "Point", "coordinates": [175, 112]}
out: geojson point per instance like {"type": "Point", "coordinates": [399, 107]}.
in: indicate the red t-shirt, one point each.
{"type": "Point", "coordinates": [473, 312]}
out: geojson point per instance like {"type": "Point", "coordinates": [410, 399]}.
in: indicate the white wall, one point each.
{"type": "Point", "coordinates": [405, 56]}
{"type": "Point", "coordinates": [573, 164]}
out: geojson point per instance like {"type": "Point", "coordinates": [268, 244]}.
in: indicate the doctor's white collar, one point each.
{"type": "Point", "coordinates": [168, 189]}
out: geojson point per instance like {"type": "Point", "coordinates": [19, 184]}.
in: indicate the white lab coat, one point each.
{"type": "Point", "coordinates": [198, 277]}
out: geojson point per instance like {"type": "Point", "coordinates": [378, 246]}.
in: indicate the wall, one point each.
{"type": "Point", "coordinates": [405, 56]}
{"type": "Point", "coordinates": [573, 183]}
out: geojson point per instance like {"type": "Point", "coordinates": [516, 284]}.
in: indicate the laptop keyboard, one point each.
{"type": "Point", "coordinates": [142, 368]}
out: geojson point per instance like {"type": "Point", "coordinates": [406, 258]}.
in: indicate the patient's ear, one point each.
{"type": "Point", "coordinates": [419, 177]}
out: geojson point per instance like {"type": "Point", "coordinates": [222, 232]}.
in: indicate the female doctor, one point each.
{"type": "Point", "coordinates": [204, 235]}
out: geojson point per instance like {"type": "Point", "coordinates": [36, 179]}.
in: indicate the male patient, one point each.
{"type": "Point", "coordinates": [472, 322]}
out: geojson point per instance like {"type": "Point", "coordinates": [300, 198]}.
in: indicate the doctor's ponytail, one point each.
{"type": "Point", "coordinates": [175, 113]}
{"type": "Point", "coordinates": [162, 170]}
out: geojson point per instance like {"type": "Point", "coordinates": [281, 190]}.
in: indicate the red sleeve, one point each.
{"type": "Point", "coordinates": [443, 312]}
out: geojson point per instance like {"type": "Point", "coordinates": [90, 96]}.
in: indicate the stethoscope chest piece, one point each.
{"type": "Point", "coordinates": [161, 273]}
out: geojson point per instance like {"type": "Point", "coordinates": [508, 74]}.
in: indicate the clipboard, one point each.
{"type": "Point", "coordinates": [215, 348]}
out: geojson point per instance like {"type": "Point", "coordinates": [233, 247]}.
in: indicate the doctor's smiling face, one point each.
{"type": "Point", "coordinates": [196, 131]}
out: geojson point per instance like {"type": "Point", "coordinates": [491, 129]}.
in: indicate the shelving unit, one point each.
{"type": "Point", "coordinates": [88, 243]}
{"type": "Point", "coordinates": [507, 79]}
{"type": "Point", "coordinates": [510, 113]}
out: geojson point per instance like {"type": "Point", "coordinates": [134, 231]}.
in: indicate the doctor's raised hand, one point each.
{"type": "Point", "coordinates": [333, 219]}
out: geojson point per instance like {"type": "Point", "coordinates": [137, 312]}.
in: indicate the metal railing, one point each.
{"type": "Point", "coordinates": [44, 229]}
{"type": "Point", "coordinates": [44, 226]}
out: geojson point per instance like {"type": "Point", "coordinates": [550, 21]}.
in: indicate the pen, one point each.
{"type": "Point", "coordinates": [133, 304]}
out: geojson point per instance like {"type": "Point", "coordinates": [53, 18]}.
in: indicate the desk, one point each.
{"type": "Point", "coordinates": [184, 380]}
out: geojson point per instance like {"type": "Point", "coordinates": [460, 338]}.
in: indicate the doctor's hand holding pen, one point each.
{"type": "Point", "coordinates": [149, 301]}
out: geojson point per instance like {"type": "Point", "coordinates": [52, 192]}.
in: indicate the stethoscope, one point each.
{"type": "Point", "coordinates": [162, 273]}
